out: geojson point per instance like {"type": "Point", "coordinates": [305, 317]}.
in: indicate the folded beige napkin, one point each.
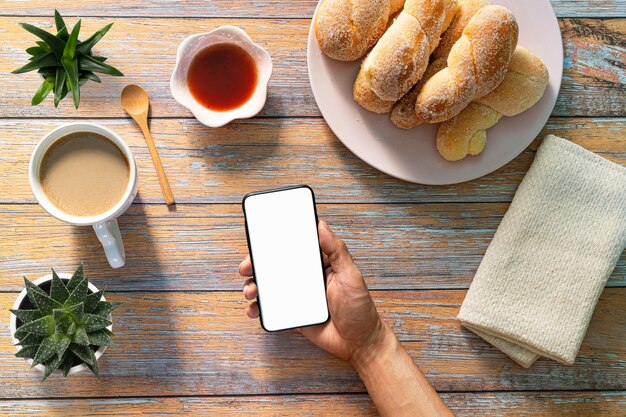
{"type": "Point", "coordinates": [537, 286]}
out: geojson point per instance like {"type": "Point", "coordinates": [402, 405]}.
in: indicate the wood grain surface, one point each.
{"type": "Point", "coordinates": [145, 49]}
{"type": "Point", "coordinates": [206, 165]}
{"type": "Point", "coordinates": [249, 8]}
{"type": "Point", "coordinates": [203, 344]}
{"type": "Point", "coordinates": [185, 347]}
{"type": "Point", "coordinates": [484, 404]}
{"type": "Point", "coordinates": [198, 247]}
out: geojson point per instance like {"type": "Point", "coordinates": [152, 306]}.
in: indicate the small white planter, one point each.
{"type": "Point", "coordinates": [13, 325]}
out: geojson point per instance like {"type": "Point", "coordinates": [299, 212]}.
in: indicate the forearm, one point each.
{"type": "Point", "coordinates": [396, 385]}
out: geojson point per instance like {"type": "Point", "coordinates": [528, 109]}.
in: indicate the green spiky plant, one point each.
{"type": "Point", "coordinates": [64, 62]}
{"type": "Point", "coordinates": [66, 326]}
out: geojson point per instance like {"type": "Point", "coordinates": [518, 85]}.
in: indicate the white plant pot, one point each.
{"type": "Point", "coordinates": [13, 325]}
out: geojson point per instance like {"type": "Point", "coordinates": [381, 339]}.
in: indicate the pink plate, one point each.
{"type": "Point", "coordinates": [411, 154]}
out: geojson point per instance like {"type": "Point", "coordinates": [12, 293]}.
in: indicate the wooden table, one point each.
{"type": "Point", "coordinates": [185, 346]}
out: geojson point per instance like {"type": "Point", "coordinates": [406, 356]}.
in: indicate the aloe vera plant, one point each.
{"type": "Point", "coordinates": [66, 325]}
{"type": "Point", "coordinates": [64, 62]}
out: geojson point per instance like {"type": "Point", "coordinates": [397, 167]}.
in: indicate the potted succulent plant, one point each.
{"type": "Point", "coordinates": [62, 323]}
{"type": "Point", "coordinates": [64, 62]}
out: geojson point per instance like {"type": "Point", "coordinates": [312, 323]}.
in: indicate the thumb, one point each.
{"type": "Point", "coordinates": [337, 251]}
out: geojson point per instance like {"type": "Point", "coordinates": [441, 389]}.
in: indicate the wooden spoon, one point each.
{"type": "Point", "coordinates": [136, 102]}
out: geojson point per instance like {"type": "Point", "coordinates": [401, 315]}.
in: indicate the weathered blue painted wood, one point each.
{"type": "Point", "coordinates": [254, 9]}
{"type": "Point", "coordinates": [593, 81]}
{"type": "Point", "coordinates": [221, 165]}
{"type": "Point", "coordinates": [486, 404]}
{"type": "Point", "coordinates": [185, 342]}
{"type": "Point", "coordinates": [198, 247]}
{"type": "Point", "coordinates": [203, 344]}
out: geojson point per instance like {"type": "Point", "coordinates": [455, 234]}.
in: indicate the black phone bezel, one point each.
{"type": "Point", "coordinates": [243, 206]}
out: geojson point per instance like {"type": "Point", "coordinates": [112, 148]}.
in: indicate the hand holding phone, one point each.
{"type": "Point", "coordinates": [354, 320]}
{"type": "Point", "coordinates": [357, 334]}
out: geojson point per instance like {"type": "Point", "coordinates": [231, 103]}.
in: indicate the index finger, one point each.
{"type": "Point", "coordinates": [245, 267]}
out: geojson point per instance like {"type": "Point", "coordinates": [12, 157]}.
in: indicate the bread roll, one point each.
{"type": "Point", "coordinates": [403, 114]}
{"type": "Point", "coordinates": [467, 9]}
{"type": "Point", "coordinates": [522, 87]}
{"type": "Point", "coordinates": [477, 64]}
{"type": "Point", "coordinates": [365, 96]}
{"type": "Point", "coordinates": [400, 57]}
{"type": "Point", "coordinates": [347, 29]}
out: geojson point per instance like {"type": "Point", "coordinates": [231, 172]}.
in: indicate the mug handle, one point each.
{"type": "Point", "coordinates": [109, 235]}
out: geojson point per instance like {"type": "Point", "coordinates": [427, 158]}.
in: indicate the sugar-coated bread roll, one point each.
{"type": "Point", "coordinates": [347, 29]}
{"type": "Point", "coordinates": [467, 9]}
{"type": "Point", "coordinates": [522, 87]}
{"type": "Point", "coordinates": [400, 57]}
{"type": "Point", "coordinates": [477, 64]}
{"type": "Point", "coordinates": [366, 97]}
{"type": "Point", "coordinates": [403, 114]}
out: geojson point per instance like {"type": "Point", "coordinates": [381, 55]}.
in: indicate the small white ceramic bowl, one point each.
{"type": "Point", "coordinates": [13, 325]}
{"type": "Point", "coordinates": [190, 47]}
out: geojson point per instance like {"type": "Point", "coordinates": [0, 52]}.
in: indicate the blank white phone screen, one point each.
{"type": "Point", "coordinates": [282, 233]}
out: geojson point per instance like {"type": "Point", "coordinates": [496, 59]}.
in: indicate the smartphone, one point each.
{"type": "Point", "coordinates": [281, 228]}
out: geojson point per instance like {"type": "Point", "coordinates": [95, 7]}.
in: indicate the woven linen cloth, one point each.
{"type": "Point", "coordinates": [540, 279]}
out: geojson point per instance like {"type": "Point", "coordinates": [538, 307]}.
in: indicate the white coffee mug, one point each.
{"type": "Point", "coordinates": [104, 224]}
